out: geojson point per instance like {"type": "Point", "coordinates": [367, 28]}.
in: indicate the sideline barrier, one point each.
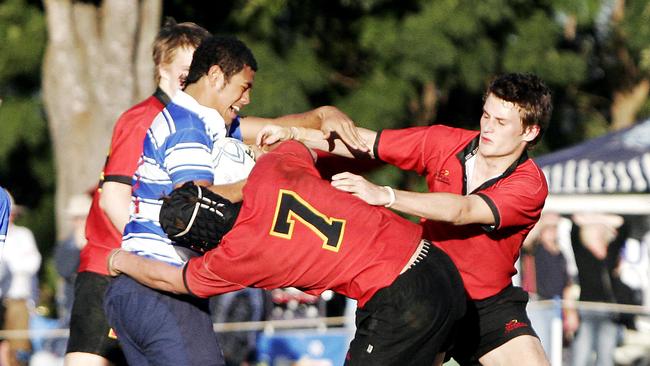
{"type": "Point", "coordinates": [546, 318]}
{"type": "Point", "coordinates": [318, 335]}
{"type": "Point", "coordinates": [268, 326]}
{"type": "Point", "coordinates": [323, 323]}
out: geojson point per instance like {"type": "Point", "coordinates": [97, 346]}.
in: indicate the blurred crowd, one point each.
{"type": "Point", "coordinates": [590, 273]}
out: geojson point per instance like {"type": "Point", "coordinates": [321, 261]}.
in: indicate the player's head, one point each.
{"type": "Point", "coordinates": [173, 50]}
{"type": "Point", "coordinates": [226, 67]}
{"type": "Point", "coordinates": [197, 218]}
{"type": "Point", "coordinates": [530, 96]}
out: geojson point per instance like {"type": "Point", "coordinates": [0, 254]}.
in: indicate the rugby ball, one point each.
{"type": "Point", "coordinates": [233, 160]}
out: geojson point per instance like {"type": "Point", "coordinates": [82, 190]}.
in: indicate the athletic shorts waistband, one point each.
{"type": "Point", "coordinates": [420, 253]}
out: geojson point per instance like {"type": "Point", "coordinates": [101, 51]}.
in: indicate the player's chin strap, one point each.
{"type": "Point", "coordinates": [207, 203]}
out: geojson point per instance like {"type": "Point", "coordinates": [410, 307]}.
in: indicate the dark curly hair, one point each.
{"type": "Point", "coordinates": [229, 53]}
{"type": "Point", "coordinates": [529, 93]}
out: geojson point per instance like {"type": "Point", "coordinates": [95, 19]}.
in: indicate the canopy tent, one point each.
{"type": "Point", "coordinates": [609, 173]}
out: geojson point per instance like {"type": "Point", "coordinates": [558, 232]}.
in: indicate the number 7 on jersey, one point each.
{"type": "Point", "coordinates": [291, 207]}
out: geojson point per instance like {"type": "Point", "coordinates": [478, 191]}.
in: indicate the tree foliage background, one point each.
{"type": "Point", "coordinates": [388, 64]}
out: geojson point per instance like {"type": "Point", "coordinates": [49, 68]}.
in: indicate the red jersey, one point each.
{"type": "Point", "coordinates": [484, 255]}
{"type": "Point", "coordinates": [296, 230]}
{"type": "Point", "coordinates": [121, 162]}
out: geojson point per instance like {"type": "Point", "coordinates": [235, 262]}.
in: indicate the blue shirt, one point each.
{"type": "Point", "coordinates": [5, 207]}
{"type": "Point", "coordinates": [179, 147]}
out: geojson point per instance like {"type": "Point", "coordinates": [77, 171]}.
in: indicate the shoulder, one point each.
{"type": "Point", "coordinates": [174, 119]}
{"type": "Point", "coordinates": [4, 197]}
{"type": "Point", "coordinates": [21, 231]}
{"type": "Point", "coordinates": [527, 180]}
{"type": "Point", "coordinates": [453, 135]}
{"type": "Point", "coordinates": [437, 132]}
{"type": "Point", "coordinates": [533, 174]}
{"type": "Point", "coordinates": [181, 117]}
{"type": "Point", "coordinates": [140, 114]}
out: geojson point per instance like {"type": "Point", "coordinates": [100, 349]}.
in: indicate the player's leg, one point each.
{"type": "Point", "coordinates": [497, 331]}
{"type": "Point", "coordinates": [409, 322]}
{"type": "Point", "coordinates": [515, 351]}
{"type": "Point", "coordinates": [90, 342]}
{"type": "Point", "coordinates": [165, 329]}
{"type": "Point", "coordinates": [83, 358]}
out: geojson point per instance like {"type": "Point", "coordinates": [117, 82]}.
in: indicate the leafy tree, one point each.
{"type": "Point", "coordinates": [388, 64]}
{"type": "Point", "coordinates": [26, 168]}
{"type": "Point", "coordinates": [25, 156]}
{"type": "Point", "coordinates": [97, 63]}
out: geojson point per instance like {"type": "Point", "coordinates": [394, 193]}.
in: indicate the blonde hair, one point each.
{"type": "Point", "coordinates": [173, 36]}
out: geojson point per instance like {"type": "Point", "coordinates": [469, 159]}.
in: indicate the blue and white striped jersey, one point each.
{"type": "Point", "coordinates": [5, 207]}
{"type": "Point", "coordinates": [178, 147]}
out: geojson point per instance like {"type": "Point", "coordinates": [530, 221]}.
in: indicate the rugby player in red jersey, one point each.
{"type": "Point", "coordinates": [294, 229]}
{"type": "Point", "coordinates": [485, 195]}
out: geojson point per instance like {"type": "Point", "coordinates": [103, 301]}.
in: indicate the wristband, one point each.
{"type": "Point", "coordinates": [294, 133]}
{"type": "Point", "coordinates": [111, 258]}
{"type": "Point", "coordinates": [391, 193]}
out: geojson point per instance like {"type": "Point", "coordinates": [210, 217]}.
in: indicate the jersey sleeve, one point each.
{"type": "Point", "coordinates": [5, 207]}
{"type": "Point", "coordinates": [518, 200]}
{"type": "Point", "coordinates": [125, 151]}
{"type": "Point", "coordinates": [234, 130]}
{"type": "Point", "coordinates": [412, 148]}
{"type": "Point", "coordinates": [187, 156]}
{"type": "Point", "coordinates": [201, 276]}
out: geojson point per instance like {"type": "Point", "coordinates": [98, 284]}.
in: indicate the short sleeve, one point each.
{"type": "Point", "coordinates": [127, 142]}
{"type": "Point", "coordinates": [187, 156]}
{"type": "Point", "coordinates": [518, 199]}
{"type": "Point", "coordinates": [201, 276]}
{"type": "Point", "coordinates": [414, 148]}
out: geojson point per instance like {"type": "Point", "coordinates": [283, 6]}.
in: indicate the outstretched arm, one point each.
{"type": "Point", "coordinates": [329, 120]}
{"type": "Point", "coordinates": [316, 139]}
{"type": "Point", "coordinates": [149, 272]}
{"type": "Point", "coordinates": [447, 207]}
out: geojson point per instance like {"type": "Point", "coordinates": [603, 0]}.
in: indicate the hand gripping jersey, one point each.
{"type": "Point", "coordinates": [295, 230]}
{"type": "Point", "coordinates": [485, 256]}
{"type": "Point", "coordinates": [5, 207]}
{"type": "Point", "coordinates": [121, 163]}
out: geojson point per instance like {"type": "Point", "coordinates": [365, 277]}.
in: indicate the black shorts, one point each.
{"type": "Point", "coordinates": [490, 323]}
{"type": "Point", "coordinates": [409, 322]}
{"type": "Point", "coordinates": [89, 330]}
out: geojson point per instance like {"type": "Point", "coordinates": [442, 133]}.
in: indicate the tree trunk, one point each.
{"type": "Point", "coordinates": [97, 64]}
{"type": "Point", "coordinates": [627, 104]}
{"type": "Point", "coordinates": [424, 107]}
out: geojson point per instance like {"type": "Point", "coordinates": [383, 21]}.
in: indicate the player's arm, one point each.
{"type": "Point", "coordinates": [115, 200]}
{"type": "Point", "coordinates": [327, 119]}
{"type": "Point", "coordinates": [447, 207]}
{"type": "Point", "coordinates": [149, 272]}
{"type": "Point", "coordinates": [316, 139]}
